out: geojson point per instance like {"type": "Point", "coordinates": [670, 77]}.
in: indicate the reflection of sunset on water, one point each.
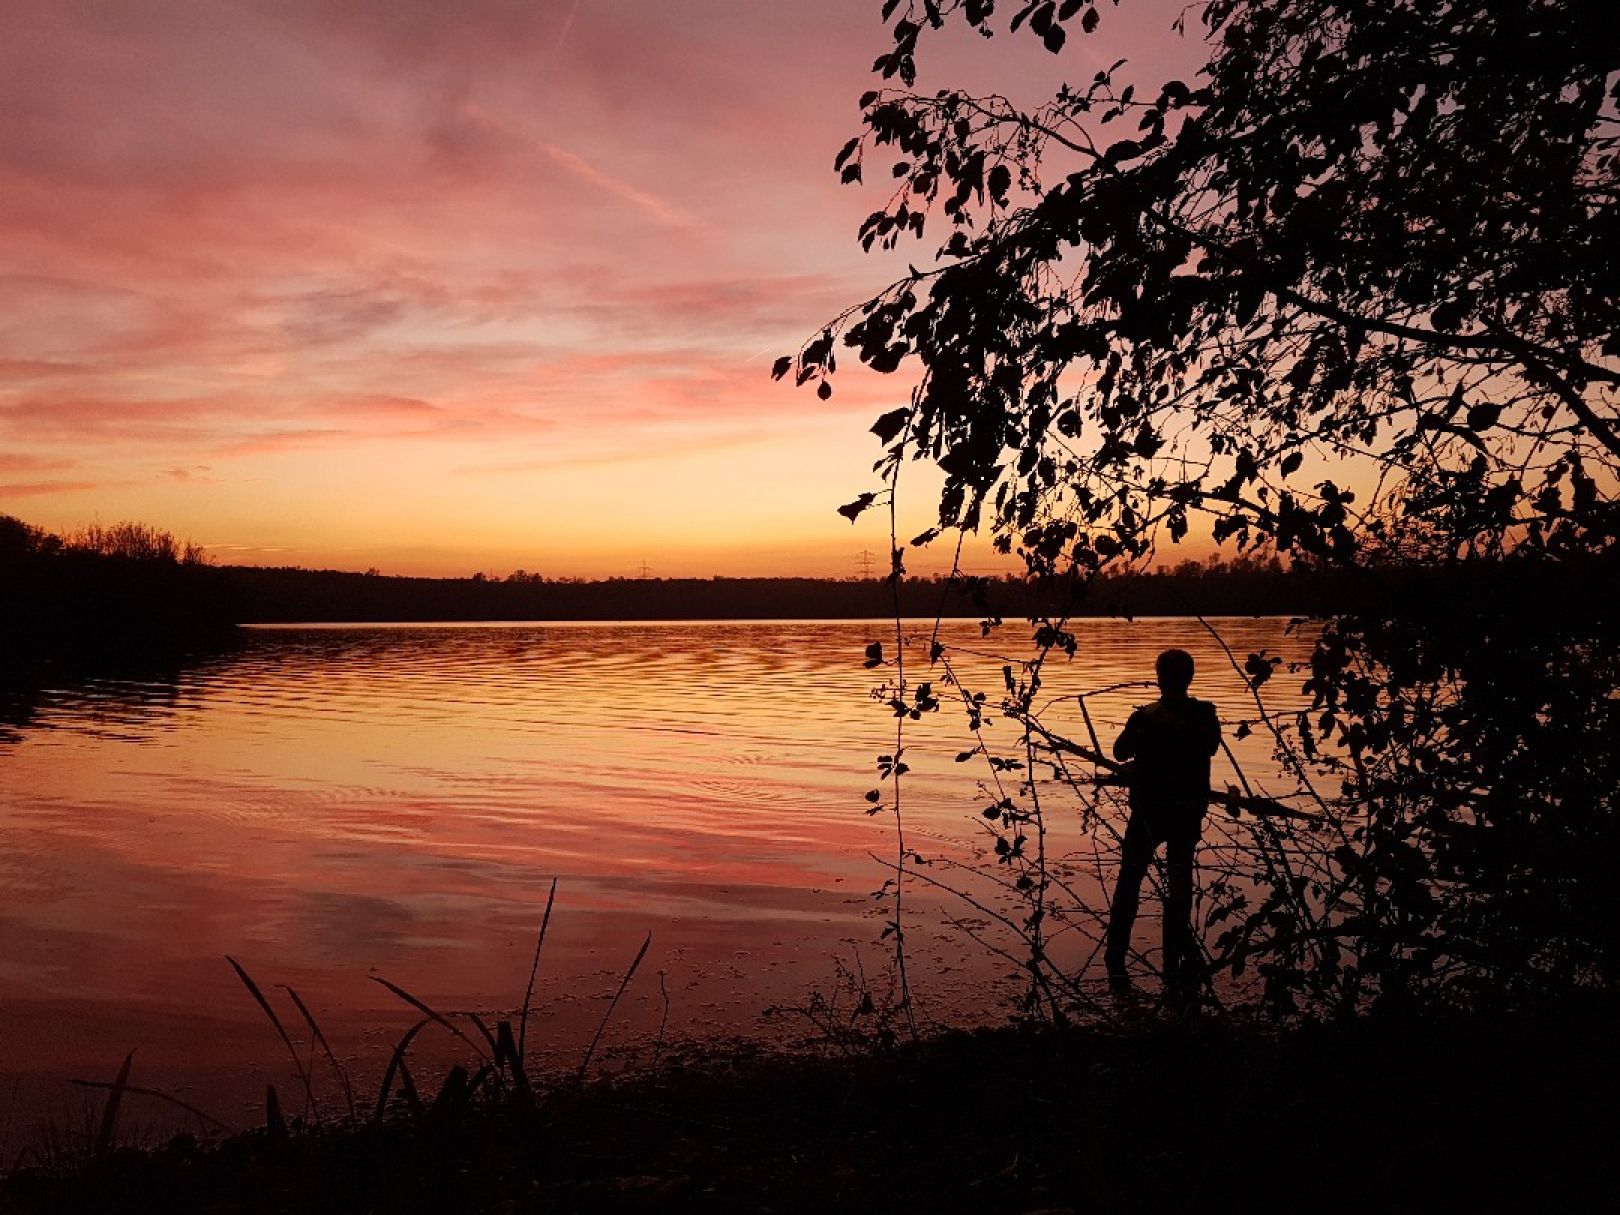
{"type": "Point", "coordinates": [329, 804]}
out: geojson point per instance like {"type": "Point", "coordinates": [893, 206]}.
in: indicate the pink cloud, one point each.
{"type": "Point", "coordinates": [651, 204]}
{"type": "Point", "coordinates": [11, 462]}
{"type": "Point", "coordinates": [499, 231]}
{"type": "Point", "coordinates": [34, 489]}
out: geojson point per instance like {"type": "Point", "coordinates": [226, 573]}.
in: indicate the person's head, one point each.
{"type": "Point", "coordinates": [1175, 671]}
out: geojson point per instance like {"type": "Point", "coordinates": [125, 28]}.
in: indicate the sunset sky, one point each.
{"type": "Point", "coordinates": [441, 286]}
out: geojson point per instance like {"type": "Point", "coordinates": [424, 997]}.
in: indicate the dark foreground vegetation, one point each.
{"type": "Point", "coordinates": [1252, 301]}
{"type": "Point", "coordinates": [1417, 1115]}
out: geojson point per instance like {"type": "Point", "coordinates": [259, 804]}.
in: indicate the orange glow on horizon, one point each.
{"type": "Point", "coordinates": [437, 289]}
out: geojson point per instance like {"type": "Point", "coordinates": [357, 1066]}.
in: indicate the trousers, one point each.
{"type": "Point", "coordinates": [1178, 829]}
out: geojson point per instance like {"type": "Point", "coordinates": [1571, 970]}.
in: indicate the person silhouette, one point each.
{"type": "Point", "coordinates": [1167, 747]}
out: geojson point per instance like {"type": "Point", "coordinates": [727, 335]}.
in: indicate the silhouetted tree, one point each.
{"type": "Point", "coordinates": [106, 591]}
{"type": "Point", "coordinates": [1349, 294]}
{"type": "Point", "coordinates": [136, 542]}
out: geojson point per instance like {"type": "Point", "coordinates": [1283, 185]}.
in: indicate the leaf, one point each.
{"type": "Point", "coordinates": [781, 367]}
{"type": "Point", "coordinates": [891, 423]}
{"type": "Point", "coordinates": [1291, 462]}
{"type": "Point", "coordinates": [1483, 417]}
{"type": "Point", "coordinates": [1258, 668]}
{"type": "Point", "coordinates": [852, 510]}
{"type": "Point", "coordinates": [1056, 35]}
{"type": "Point", "coordinates": [999, 182]}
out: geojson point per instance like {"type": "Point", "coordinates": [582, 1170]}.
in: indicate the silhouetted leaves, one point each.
{"type": "Point", "coordinates": [1378, 235]}
{"type": "Point", "coordinates": [887, 427]}
{"type": "Point", "coordinates": [852, 510]}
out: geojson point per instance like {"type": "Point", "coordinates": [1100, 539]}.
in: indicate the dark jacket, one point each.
{"type": "Point", "coordinates": [1171, 742]}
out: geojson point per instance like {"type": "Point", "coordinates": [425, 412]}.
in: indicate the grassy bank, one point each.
{"type": "Point", "coordinates": [1436, 1114]}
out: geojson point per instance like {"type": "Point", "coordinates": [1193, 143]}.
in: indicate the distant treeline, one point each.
{"type": "Point", "coordinates": [130, 587]}
{"type": "Point", "coordinates": [1244, 587]}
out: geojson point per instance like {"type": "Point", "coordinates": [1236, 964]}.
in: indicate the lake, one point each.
{"type": "Point", "coordinates": [329, 804]}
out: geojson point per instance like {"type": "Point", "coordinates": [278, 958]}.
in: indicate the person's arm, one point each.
{"type": "Point", "coordinates": [1212, 738]}
{"type": "Point", "coordinates": [1125, 745]}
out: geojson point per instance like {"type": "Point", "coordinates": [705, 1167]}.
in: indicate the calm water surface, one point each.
{"type": "Point", "coordinates": [331, 803]}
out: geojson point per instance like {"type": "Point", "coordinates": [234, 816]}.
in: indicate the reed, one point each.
{"type": "Point", "coordinates": [116, 1089]}
{"type": "Point", "coordinates": [298, 1064]}
{"type": "Point", "coordinates": [585, 1063]}
{"type": "Point", "coordinates": [442, 1019]}
{"type": "Point", "coordinates": [1171, 1113]}
{"type": "Point", "coordinates": [109, 1115]}
{"type": "Point", "coordinates": [534, 969]}
{"type": "Point", "coordinates": [501, 1072]}
{"type": "Point", "coordinates": [320, 1039]}
{"type": "Point", "coordinates": [405, 1149]}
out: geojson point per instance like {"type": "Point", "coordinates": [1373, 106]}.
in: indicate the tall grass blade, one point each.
{"type": "Point", "coordinates": [489, 1038]}
{"type": "Point", "coordinates": [137, 1090]}
{"type": "Point", "coordinates": [109, 1115]}
{"type": "Point", "coordinates": [315, 1031]}
{"type": "Point", "coordinates": [607, 1016]}
{"type": "Point", "coordinates": [298, 1064]}
{"type": "Point", "coordinates": [407, 1089]}
{"type": "Point", "coordinates": [274, 1122]}
{"type": "Point", "coordinates": [663, 1022]}
{"type": "Point", "coordinates": [452, 1095]}
{"type": "Point", "coordinates": [508, 1056]}
{"type": "Point", "coordinates": [528, 994]}
{"type": "Point", "coordinates": [396, 1062]}
{"type": "Point", "coordinates": [433, 1015]}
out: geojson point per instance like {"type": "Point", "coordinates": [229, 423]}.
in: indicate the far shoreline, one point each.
{"type": "Point", "coordinates": [608, 622]}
